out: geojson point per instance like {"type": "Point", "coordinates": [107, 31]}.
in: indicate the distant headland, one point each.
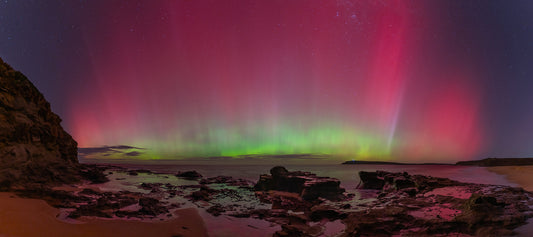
{"type": "Point", "coordinates": [498, 162]}
{"type": "Point", "coordinates": [484, 162]}
{"type": "Point", "coordinates": [362, 162]}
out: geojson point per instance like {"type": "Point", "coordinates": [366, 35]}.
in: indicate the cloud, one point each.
{"type": "Point", "coordinates": [134, 153]}
{"type": "Point", "coordinates": [110, 151]}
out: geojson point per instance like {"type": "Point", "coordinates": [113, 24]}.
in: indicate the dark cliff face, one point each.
{"type": "Point", "coordinates": [34, 148]}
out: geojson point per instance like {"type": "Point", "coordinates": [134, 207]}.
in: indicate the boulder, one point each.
{"type": "Point", "coordinates": [309, 186]}
{"type": "Point", "coordinates": [191, 174]}
{"type": "Point", "coordinates": [320, 212]}
{"type": "Point", "coordinates": [204, 194]}
{"type": "Point", "coordinates": [370, 180]}
{"type": "Point", "coordinates": [151, 206]}
{"type": "Point", "coordinates": [279, 171]}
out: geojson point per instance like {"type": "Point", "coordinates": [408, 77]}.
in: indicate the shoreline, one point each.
{"type": "Point", "coordinates": [35, 217]}
{"type": "Point", "coordinates": [23, 217]}
{"type": "Point", "coordinates": [520, 175]}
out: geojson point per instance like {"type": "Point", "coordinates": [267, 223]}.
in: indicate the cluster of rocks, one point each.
{"type": "Point", "coordinates": [423, 205]}
{"type": "Point", "coordinates": [228, 180]}
{"type": "Point", "coordinates": [89, 202]}
{"type": "Point", "coordinates": [306, 185]}
{"type": "Point", "coordinates": [403, 204]}
{"type": "Point", "coordinates": [400, 203]}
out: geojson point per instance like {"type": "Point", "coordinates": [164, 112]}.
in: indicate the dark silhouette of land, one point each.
{"type": "Point", "coordinates": [362, 162]}
{"type": "Point", "coordinates": [487, 162]}
{"type": "Point", "coordinates": [498, 162]}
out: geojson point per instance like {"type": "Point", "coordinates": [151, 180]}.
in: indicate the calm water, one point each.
{"type": "Point", "coordinates": [347, 174]}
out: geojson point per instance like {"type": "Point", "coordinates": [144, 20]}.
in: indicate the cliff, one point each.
{"type": "Point", "coordinates": [34, 148]}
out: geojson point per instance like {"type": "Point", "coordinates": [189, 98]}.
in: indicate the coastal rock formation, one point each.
{"type": "Point", "coordinates": [416, 205]}
{"type": "Point", "coordinates": [191, 174]}
{"type": "Point", "coordinates": [307, 185]}
{"type": "Point", "coordinates": [226, 180]}
{"type": "Point", "coordinates": [399, 204]}
{"type": "Point", "coordinates": [34, 148]}
{"type": "Point", "coordinates": [399, 181]}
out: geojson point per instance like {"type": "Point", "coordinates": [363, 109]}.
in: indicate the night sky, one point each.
{"type": "Point", "coordinates": [424, 81]}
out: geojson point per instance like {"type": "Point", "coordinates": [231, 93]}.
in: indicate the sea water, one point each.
{"type": "Point", "coordinates": [347, 174]}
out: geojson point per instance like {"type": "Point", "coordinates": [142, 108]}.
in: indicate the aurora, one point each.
{"type": "Point", "coordinates": [391, 80]}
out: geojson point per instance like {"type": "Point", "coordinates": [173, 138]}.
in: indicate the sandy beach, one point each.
{"type": "Point", "coordinates": [20, 217]}
{"type": "Point", "coordinates": [520, 175]}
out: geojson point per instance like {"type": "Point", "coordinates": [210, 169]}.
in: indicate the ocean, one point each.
{"type": "Point", "coordinates": [347, 174]}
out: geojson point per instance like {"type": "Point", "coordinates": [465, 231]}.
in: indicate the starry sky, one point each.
{"type": "Point", "coordinates": [413, 81]}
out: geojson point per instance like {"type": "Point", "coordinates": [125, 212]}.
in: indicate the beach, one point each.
{"type": "Point", "coordinates": [21, 217]}
{"type": "Point", "coordinates": [520, 175]}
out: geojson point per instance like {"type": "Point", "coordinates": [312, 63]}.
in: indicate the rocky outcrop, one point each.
{"type": "Point", "coordinates": [400, 181]}
{"type": "Point", "coordinates": [191, 174]}
{"type": "Point", "coordinates": [228, 180]}
{"type": "Point", "coordinates": [34, 148]}
{"type": "Point", "coordinates": [307, 185]}
{"type": "Point", "coordinates": [417, 205]}
{"type": "Point", "coordinates": [400, 204]}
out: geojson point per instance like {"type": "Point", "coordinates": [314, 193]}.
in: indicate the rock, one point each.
{"type": "Point", "coordinates": [192, 174]}
{"type": "Point", "coordinates": [215, 210]}
{"type": "Point", "coordinates": [204, 194]}
{"type": "Point", "coordinates": [388, 182]}
{"type": "Point", "coordinates": [278, 171]}
{"type": "Point", "coordinates": [370, 180]}
{"type": "Point", "coordinates": [378, 222]}
{"type": "Point", "coordinates": [34, 148]}
{"type": "Point", "coordinates": [417, 205]}
{"type": "Point", "coordinates": [284, 200]}
{"type": "Point", "coordinates": [55, 198]}
{"type": "Point", "coordinates": [403, 182]}
{"type": "Point", "coordinates": [94, 173]}
{"type": "Point", "coordinates": [309, 186]}
{"type": "Point", "coordinates": [228, 180]}
{"type": "Point", "coordinates": [151, 206]}
{"type": "Point", "coordinates": [89, 210]}
{"type": "Point", "coordinates": [298, 230]}
{"type": "Point", "coordinates": [319, 213]}
{"type": "Point", "coordinates": [328, 188]}
{"type": "Point", "coordinates": [147, 201]}
{"type": "Point", "coordinates": [88, 191]}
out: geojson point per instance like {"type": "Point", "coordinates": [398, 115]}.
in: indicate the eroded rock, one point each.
{"type": "Point", "coordinates": [307, 185]}
{"type": "Point", "coordinates": [425, 205]}
{"type": "Point", "coordinates": [191, 174]}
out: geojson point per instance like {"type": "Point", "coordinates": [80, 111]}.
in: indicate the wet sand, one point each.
{"type": "Point", "coordinates": [521, 175]}
{"type": "Point", "coordinates": [20, 217]}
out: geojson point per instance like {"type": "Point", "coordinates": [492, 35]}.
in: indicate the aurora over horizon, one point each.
{"type": "Point", "coordinates": [415, 81]}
